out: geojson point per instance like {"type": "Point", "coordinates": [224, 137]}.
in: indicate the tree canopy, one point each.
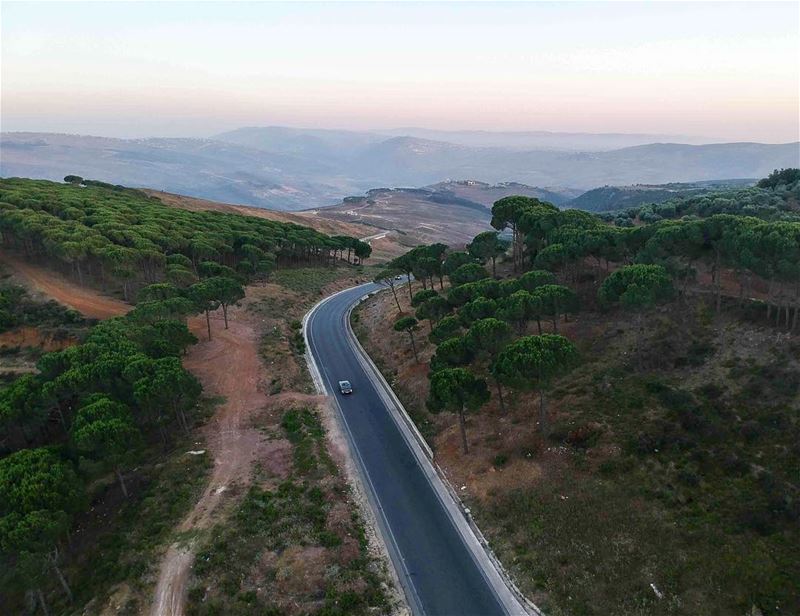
{"type": "Point", "coordinates": [120, 236]}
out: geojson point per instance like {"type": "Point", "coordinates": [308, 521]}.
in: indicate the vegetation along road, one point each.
{"type": "Point", "coordinates": [441, 565]}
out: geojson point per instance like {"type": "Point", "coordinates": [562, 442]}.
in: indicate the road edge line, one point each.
{"type": "Point", "coordinates": [373, 510]}
{"type": "Point", "coordinates": [403, 412]}
{"type": "Point", "coordinates": [500, 570]}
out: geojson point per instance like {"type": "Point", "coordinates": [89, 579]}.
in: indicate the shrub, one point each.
{"type": "Point", "coordinates": [500, 460]}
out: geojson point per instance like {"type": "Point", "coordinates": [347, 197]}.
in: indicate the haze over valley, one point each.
{"type": "Point", "coordinates": [292, 169]}
{"type": "Point", "coordinates": [400, 308]}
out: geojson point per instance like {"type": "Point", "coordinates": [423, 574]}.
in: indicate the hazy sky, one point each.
{"type": "Point", "coordinates": [725, 70]}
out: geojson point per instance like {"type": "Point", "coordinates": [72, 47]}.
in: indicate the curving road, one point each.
{"type": "Point", "coordinates": [441, 565]}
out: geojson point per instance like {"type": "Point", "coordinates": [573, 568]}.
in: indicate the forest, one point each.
{"type": "Point", "coordinates": [774, 198]}
{"type": "Point", "coordinates": [98, 407]}
{"type": "Point", "coordinates": [121, 239]}
{"type": "Point", "coordinates": [720, 460]}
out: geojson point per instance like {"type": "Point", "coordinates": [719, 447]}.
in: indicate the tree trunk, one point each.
{"type": "Point", "coordinates": [500, 396]}
{"type": "Point", "coordinates": [122, 482]}
{"type": "Point", "coordinates": [462, 424]}
{"type": "Point", "coordinates": [413, 345]}
{"type": "Point", "coordinates": [225, 314]}
{"type": "Point", "coordinates": [184, 421]}
{"type": "Point", "coordinates": [494, 268]}
{"type": "Point", "coordinates": [542, 412]}
{"type": "Point", "coordinates": [769, 298]}
{"type": "Point", "coordinates": [788, 308]}
{"type": "Point", "coordinates": [60, 576]}
{"type": "Point", "coordinates": [208, 324]}
{"type": "Point", "coordinates": [42, 602]}
{"type": "Point", "coordinates": [539, 324]}
{"type": "Point", "coordinates": [61, 417]}
{"type": "Point", "coordinates": [396, 301]}
{"type": "Point", "coordinates": [555, 323]}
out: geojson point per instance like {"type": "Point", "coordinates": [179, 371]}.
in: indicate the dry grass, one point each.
{"type": "Point", "coordinates": [294, 544]}
{"type": "Point", "coordinates": [382, 250]}
{"type": "Point", "coordinates": [421, 221]}
{"type": "Point", "coordinates": [670, 462]}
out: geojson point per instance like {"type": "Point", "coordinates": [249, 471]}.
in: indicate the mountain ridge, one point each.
{"type": "Point", "coordinates": [319, 167]}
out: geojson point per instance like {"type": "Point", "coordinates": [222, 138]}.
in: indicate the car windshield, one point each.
{"type": "Point", "coordinates": [345, 383]}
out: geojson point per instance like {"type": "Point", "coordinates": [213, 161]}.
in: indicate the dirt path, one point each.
{"type": "Point", "coordinates": [85, 300]}
{"type": "Point", "coordinates": [228, 366]}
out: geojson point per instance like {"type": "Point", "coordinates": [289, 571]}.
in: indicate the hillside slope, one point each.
{"type": "Point", "coordinates": [613, 198]}
{"type": "Point", "coordinates": [258, 434]}
{"type": "Point", "coordinates": [383, 248]}
{"type": "Point", "coordinates": [486, 194]}
{"type": "Point", "coordinates": [200, 167]}
{"type": "Point", "coordinates": [421, 215]}
{"type": "Point", "coordinates": [317, 168]}
{"type": "Point", "coordinates": [669, 462]}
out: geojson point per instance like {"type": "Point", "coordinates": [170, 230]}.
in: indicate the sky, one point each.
{"type": "Point", "coordinates": [725, 71]}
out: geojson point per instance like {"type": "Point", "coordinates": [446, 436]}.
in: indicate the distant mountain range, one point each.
{"type": "Point", "coordinates": [291, 169]}
{"type": "Point", "coordinates": [542, 140]}
{"type": "Point", "coordinates": [455, 211]}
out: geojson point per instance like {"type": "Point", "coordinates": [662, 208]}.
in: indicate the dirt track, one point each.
{"type": "Point", "coordinates": [86, 301]}
{"type": "Point", "coordinates": [229, 367]}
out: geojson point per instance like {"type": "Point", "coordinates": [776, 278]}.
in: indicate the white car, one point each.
{"type": "Point", "coordinates": [345, 387]}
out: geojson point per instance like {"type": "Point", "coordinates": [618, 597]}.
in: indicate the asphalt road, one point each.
{"type": "Point", "coordinates": [441, 575]}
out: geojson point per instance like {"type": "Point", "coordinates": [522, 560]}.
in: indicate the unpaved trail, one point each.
{"type": "Point", "coordinates": [85, 300]}
{"type": "Point", "coordinates": [228, 366]}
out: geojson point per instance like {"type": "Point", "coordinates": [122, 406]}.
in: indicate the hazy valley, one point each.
{"type": "Point", "coordinates": [520, 337]}
{"type": "Point", "coordinates": [293, 169]}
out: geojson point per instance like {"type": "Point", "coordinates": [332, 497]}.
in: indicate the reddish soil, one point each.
{"type": "Point", "coordinates": [88, 302]}
{"type": "Point", "coordinates": [323, 225]}
{"type": "Point", "coordinates": [485, 431]}
{"type": "Point", "coordinates": [240, 435]}
{"type": "Point", "coordinates": [383, 249]}
{"type": "Point", "coordinates": [228, 365]}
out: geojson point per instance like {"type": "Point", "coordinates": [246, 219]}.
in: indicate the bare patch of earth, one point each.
{"type": "Point", "coordinates": [88, 302]}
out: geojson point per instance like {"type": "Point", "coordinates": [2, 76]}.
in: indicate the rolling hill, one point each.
{"type": "Point", "coordinates": [422, 215]}
{"type": "Point", "coordinates": [614, 198]}
{"type": "Point", "coordinates": [292, 169]}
